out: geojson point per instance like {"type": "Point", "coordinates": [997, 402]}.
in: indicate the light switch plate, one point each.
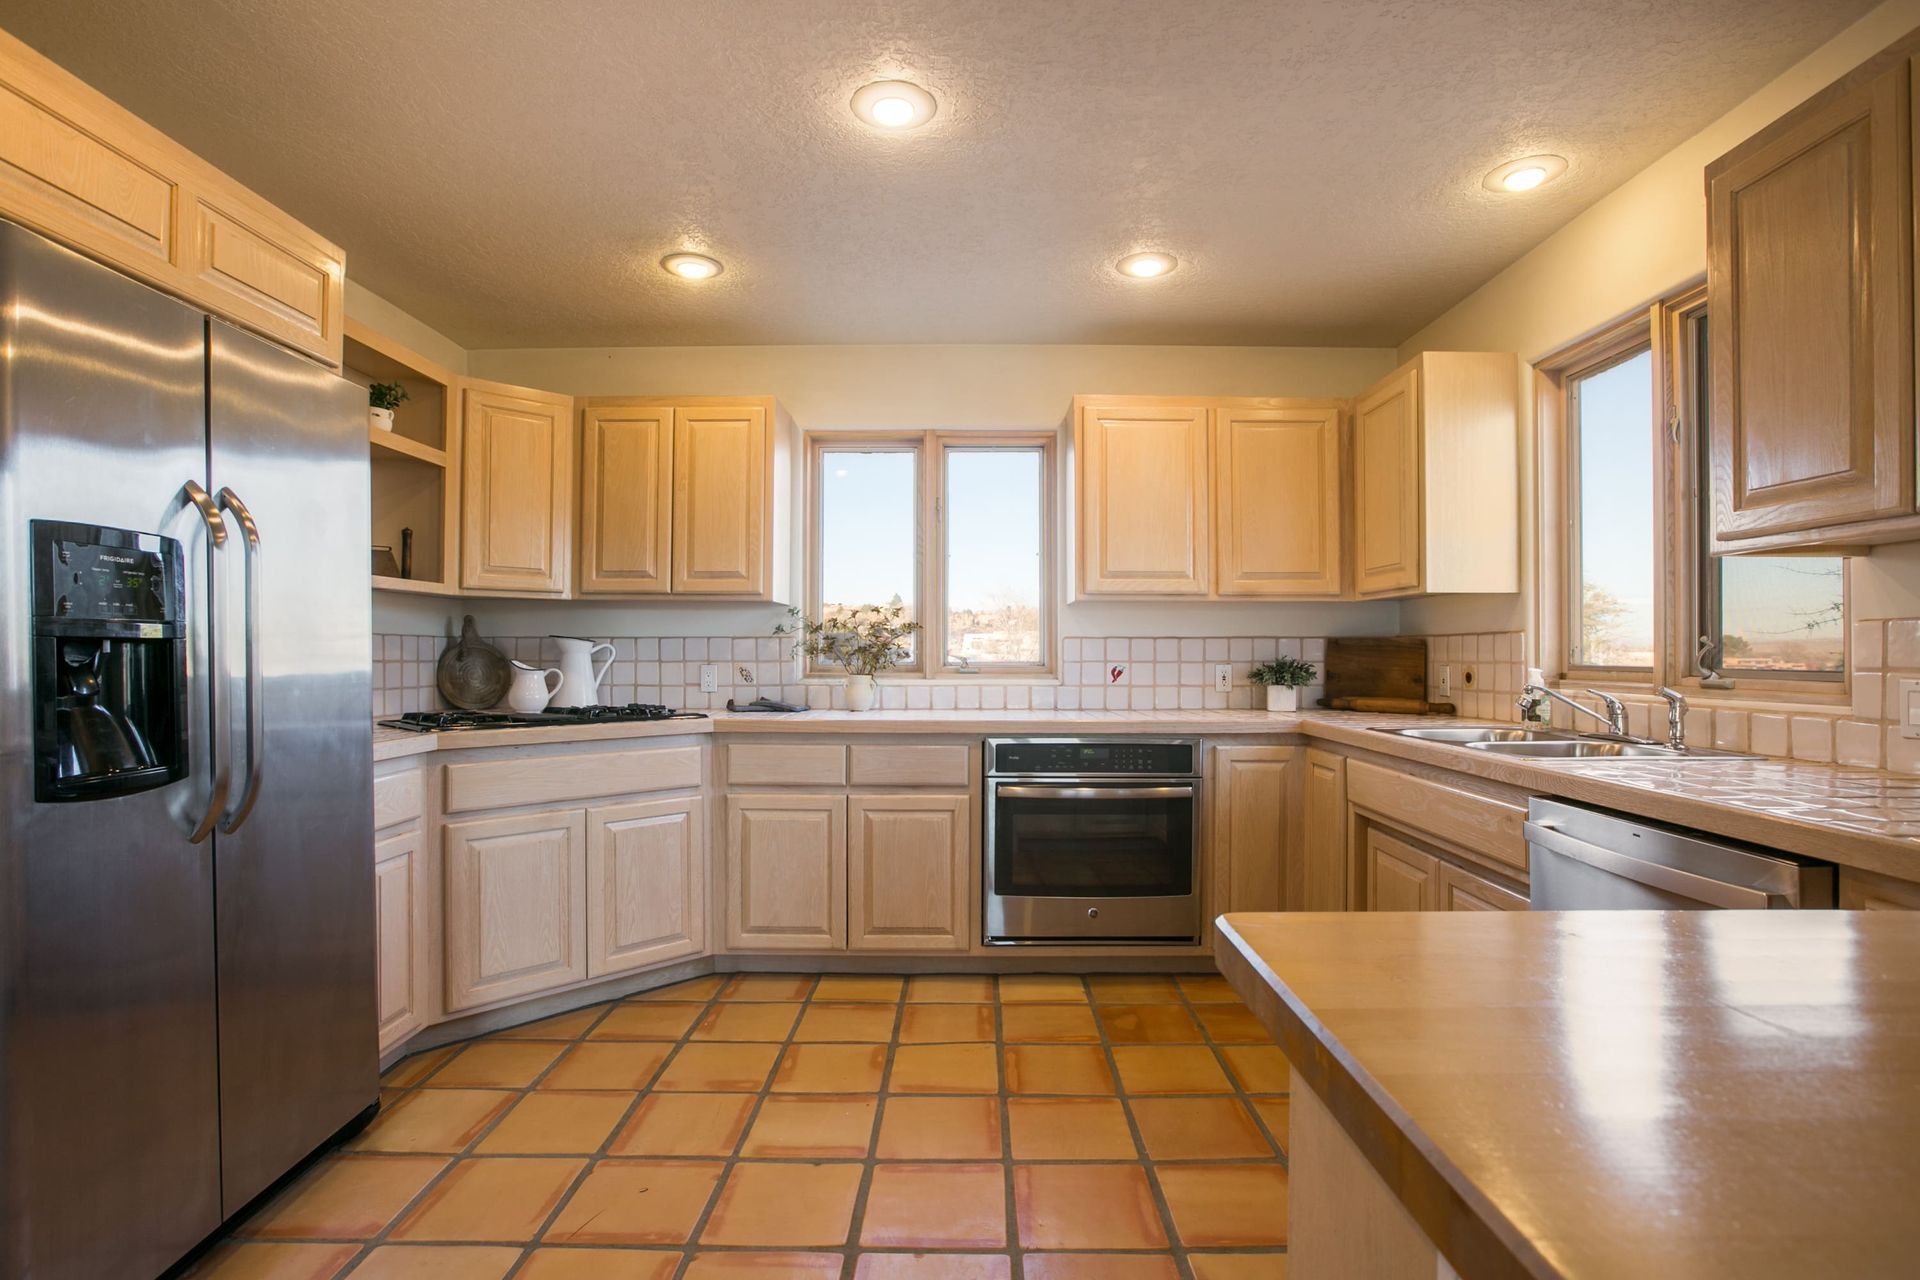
{"type": "Point", "coordinates": [1223, 677]}
{"type": "Point", "coordinates": [1443, 687]}
{"type": "Point", "coordinates": [1910, 708]}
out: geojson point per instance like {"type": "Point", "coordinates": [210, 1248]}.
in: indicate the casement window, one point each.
{"type": "Point", "coordinates": [956, 527]}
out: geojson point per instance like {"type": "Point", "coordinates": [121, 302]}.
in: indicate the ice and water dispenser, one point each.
{"type": "Point", "coordinates": [109, 662]}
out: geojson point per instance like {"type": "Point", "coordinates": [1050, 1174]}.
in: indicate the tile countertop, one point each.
{"type": "Point", "coordinates": [1859, 817]}
{"type": "Point", "coordinates": [1615, 1093]}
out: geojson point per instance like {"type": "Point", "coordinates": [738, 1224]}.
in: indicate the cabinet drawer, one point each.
{"type": "Point", "coordinates": [396, 798]}
{"type": "Point", "coordinates": [768, 765]}
{"type": "Point", "coordinates": [501, 784]}
{"type": "Point", "coordinates": [1473, 823]}
{"type": "Point", "coordinates": [910, 767]}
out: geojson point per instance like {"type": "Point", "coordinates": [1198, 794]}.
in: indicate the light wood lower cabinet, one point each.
{"type": "Point", "coordinates": [1323, 854]}
{"type": "Point", "coordinates": [786, 869]}
{"type": "Point", "coordinates": [1252, 792]}
{"type": "Point", "coordinates": [515, 918]}
{"type": "Point", "coordinates": [1399, 876]}
{"type": "Point", "coordinates": [908, 873]}
{"type": "Point", "coordinates": [1461, 890]}
{"type": "Point", "coordinates": [1865, 891]}
{"type": "Point", "coordinates": [399, 904]}
{"type": "Point", "coordinates": [646, 884]}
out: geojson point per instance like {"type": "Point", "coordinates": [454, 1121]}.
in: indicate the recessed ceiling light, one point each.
{"type": "Point", "coordinates": [692, 266]}
{"type": "Point", "coordinates": [1145, 266]}
{"type": "Point", "coordinates": [894, 104]}
{"type": "Point", "coordinates": [1525, 174]}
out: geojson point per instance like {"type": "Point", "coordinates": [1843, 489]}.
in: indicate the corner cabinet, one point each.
{"type": "Point", "coordinates": [515, 888]}
{"type": "Point", "coordinates": [516, 500]}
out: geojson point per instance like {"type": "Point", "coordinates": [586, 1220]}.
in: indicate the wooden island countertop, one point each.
{"type": "Point", "coordinates": [1610, 1093]}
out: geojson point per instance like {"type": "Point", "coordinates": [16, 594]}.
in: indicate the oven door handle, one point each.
{"type": "Point", "coordinates": [1022, 792]}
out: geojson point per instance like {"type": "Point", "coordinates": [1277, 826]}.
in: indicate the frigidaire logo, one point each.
{"type": "Point", "coordinates": [121, 559]}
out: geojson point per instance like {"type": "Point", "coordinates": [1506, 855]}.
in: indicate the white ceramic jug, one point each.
{"type": "Point", "coordinates": [580, 679]}
{"type": "Point", "coordinates": [530, 692]}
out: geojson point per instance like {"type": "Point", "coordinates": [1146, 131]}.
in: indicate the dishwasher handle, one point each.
{"type": "Point", "coordinates": [1686, 884]}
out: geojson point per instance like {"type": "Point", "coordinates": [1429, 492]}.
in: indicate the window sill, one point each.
{"type": "Point", "coordinates": [1763, 702]}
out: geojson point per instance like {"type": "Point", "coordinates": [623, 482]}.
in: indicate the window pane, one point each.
{"type": "Point", "coordinates": [1782, 613]}
{"type": "Point", "coordinates": [1613, 433]}
{"type": "Point", "coordinates": [868, 531]}
{"type": "Point", "coordinates": [994, 504]}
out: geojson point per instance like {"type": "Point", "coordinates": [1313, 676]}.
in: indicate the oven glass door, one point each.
{"type": "Point", "coordinates": [1090, 842]}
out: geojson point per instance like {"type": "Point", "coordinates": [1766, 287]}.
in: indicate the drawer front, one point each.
{"type": "Point", "coordinates": [396, 798]}
{"type": "Point", "coordinates": [501, 784]}
{"type": "Point", "coordinates": [771, 765]}
{"type": "Point", "coordinates": [910, 766]}
{"type": "Point", "coordinates": [1473, 823]}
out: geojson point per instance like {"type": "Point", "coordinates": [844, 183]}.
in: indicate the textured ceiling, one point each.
{"type": "Point", "coordinates": [511, 172]}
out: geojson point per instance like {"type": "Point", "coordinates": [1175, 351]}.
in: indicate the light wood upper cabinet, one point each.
{"type": "Point", "coordinates": [1140, 472]}
{"type": "Point", "coordinates": [909, 882]}
{"type": "Point", "coordinates": [399, 905]}
{"type": "Point", "coordinates": [1253, 790]}
{"type": "Point", "coordinates": [1324, 846]}
{"type": "Point", "coordinates": [786, 868]}
{"type": "Point", "coordinates": [1399, 876]}
{"type": "Point", "coordinates": [1386, 497]}
{"type": "Point", "coordinates": [626, 499]}
{"type": "Point", "coordinates": [514, 923]}
{"type": "Point", "coordinates": [722, 474]}
{"type": "Point", "coordinates": [1810, 322]}
{"type": "Point", "coordinates": [646, 884]}
{"type": "Point", "coordinates": [517, 481]}
{"type": "Point", "coordinates": [1276, 501]}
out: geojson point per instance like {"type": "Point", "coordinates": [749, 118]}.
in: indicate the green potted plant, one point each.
{"type": "Point", "coordinates": [1283, 678]}
{"type": "Point", "coordinates": [863, 641]}
{"type": "Point", "coordinates": [382, 399]}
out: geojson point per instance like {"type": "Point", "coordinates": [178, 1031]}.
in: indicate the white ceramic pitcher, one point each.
{"type": "Point", "coordinates": [580, 679]}
{"type": "Point", "coordinates": [530, 691]}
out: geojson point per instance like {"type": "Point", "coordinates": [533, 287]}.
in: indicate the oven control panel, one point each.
{"type": "Point", "coordinates": [1094, 757]}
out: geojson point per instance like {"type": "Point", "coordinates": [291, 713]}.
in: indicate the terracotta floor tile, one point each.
{"type": "Point", "coordinates": [933, 1266]}
{"type": "Point", "coordinates": [1086, 1206]}
{"type": "Point", "coordinates": [649, 1020]}
{"type": "Point", "coordinates": [816, 1127]}
{"type": "Point", "coordinates": [684, 1124]}
{"type": "Point", "coordinates": [1260, 1068]}
{"type": "Point", "coordinates": [936, 1206]}
{"type": "Point", "coordinates": [568, 1026]}
{"type": "Point", "coordinates": [944, 1068]}
{"type": "Point", "coordinates": [859, 986]}
{"type": "Point", "coordinates": [496, 1064]}
{"type": "Point", "coordinates": [348, 1197]}
{"type": "Point", "coordinates": [1069, 1129]}
{"type": "Point", "coordinates": [1042, 988]}
{"type": "Point", "coordinates": [612, 1065]}
{"type": "Point", "coordinates": [950, 988]}
{"type": "Point", "coordinates": [1169, 1068]}
{"type": "Point", "coordinates": [718, 1068]}
{"type": "Point", "coordinates": [414, 1068]}
{"type": "Point", "coordinates": [1057, 1068]}
{"type": "Point", "coordinates": [1226, 1205]}
{"type": "Point", "coordinates": [551, 1122]}
{"type": "Point", "coordinates": [637, 1202]}
{"type": "Point", "coordinates": [1100, 1266]}
{"type": "Point", "coordinates": [764, 1266]}
{"type": "Point", "coordinates": [438, 1262]}
{"type": "Point", "coordinates": [831, 1068]}
{"type": "Point", "coordinates": [1048, 1024]}
{"type": "Point", "coordinates": [1275, 1112]}
{"type": "Point", "coordinates": [693, 989]}
{"type": "Point", "coordinates": [743, 1021]}
{"type": "Point", "coordinates": [490, 1200]}
{"type": "Point", "coordinates": [1198, 1129]}
{"type": "Point", "coordinates": [1126, 988]}
{"type": "Point", "coordinates": [931, 1128]}
{"type": "Point", "coordinates": [433, 1120]}
{"type": "Point", "coordinates": [1233, 1024]}
{"type": "Point", "coordinates": [599, 1264]}
{"type": "Point", "coordinates": [860, 1022]}
{"type": "Point", "coordinates": [788, 1205]}
{"type": "Point", "coordinates": [243, 1260]}
{"type": "Point", "coordinates": [768, 986]}
{"type": "Point", "coordinates": [945, 1023]}
{"type": "Point", "coordinates": [1149, 1024]}
{"type": "Point", "coordinates": [1238, 1266]}
{"type": "Point", "coordinates": [1208, 988]}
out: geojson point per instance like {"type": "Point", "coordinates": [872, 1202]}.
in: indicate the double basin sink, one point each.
{"type": "Point", "coordinates": [1554, 744]}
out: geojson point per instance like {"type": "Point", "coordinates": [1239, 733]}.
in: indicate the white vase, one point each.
{"type": "Point", "coordinates": [860, 693]}
{"type": "Point", "coordinates": [1282, 697]}
{"type": "Point", "coordinates": [579, 678]}
{"type": "Point", "coordinates": [380, 419]}
{"type": "Point", "coordinates": [531, 689]}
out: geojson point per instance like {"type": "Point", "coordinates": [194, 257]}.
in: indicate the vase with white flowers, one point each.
{"type": "Point", "coordinates": [1283, 678]}
{"type": "Point", "coordinates": [863, 642]}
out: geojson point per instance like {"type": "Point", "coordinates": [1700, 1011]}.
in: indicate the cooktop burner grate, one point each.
{"type": "Point", "coordinates": [441, 721]}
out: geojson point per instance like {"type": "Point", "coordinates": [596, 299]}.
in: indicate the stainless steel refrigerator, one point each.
{"type": "Point", "coordinates": [186, 883]}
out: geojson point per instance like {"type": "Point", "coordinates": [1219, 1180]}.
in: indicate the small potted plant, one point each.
{"type": "Point", "coordinates": [382, 399]}
{"type": "Point", "coordinates": [864, 642]}
{"type": "Point", "coordinates": [1283, 678]}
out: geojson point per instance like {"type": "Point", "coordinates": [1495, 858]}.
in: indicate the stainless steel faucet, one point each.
{"type": "Point", "coordinates": [1615, 719]}
{"type": "Point", "coordinates": [1676, 717]}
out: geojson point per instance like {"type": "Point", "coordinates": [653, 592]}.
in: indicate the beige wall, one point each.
{"type": "Point", "coordinates": [1643, 240]}
{"type": "Point", "coordinates": [377, 313]}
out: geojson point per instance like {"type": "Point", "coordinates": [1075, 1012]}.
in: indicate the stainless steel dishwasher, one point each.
{"type": "Point", "coordinates": [1591, 859]}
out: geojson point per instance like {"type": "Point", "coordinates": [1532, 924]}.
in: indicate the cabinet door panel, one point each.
{"type": "Point", "coordinates": [646, 894]}
{"type": "Point", "coordinates": [1250, 817]}
{"type": "Point", "coordinates": [1277, 501]}
{"type": "Point", "coordinates": [720, 535]}
{"type": "Point", "coordinates": [1463, 891]}
{"type": "Point", "coordinates": [1141, 473]}
{"type": "Point", "coordinates": [516, 462]}
{"type": "Point", "coordinates": [787, 872]}
{"type": "Point", "coordinates": [267, 272]}
{"type": "Point", "coordinates": [1387, 486]}
{"type": "Point", "coordinates": [515, 918]}
{"type": "Point", "coordinates": [909, 861]}
{"type": "Point", "coordinates": [398, 907]}
{"type": "Point", "coordinates": [1865, 891]}
{"type": "Point", "coordinates": [1324, 873]}
{"type": "Point", "coordinates": [626, 500]}
{"type": "Point", "coordinates": [1399, 876]}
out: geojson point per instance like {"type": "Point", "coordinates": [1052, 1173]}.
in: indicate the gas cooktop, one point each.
{"type": "Point", "coordinates": [443, 721]}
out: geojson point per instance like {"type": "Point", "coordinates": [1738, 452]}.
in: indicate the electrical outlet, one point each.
{"type": "Point", "coordinates": [709, 678]}
{"type": "Point", "coordinates": [1910, 709]}
{"type": "Point", "coordinates": [1223, 677]}
{"type": "Point", "coordinates": [1443, 684]}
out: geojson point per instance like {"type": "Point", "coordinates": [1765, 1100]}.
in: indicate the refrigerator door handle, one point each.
{"type": "Point", "coordinates": [219, 753]}
{"type": "Point", "coordinates": [256, 710]}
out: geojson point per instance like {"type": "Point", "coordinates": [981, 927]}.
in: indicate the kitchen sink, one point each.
{"type": "Point", "coordinates": [1474, 735]}
{"type": "Point", "coordinates": [1583, 748]}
